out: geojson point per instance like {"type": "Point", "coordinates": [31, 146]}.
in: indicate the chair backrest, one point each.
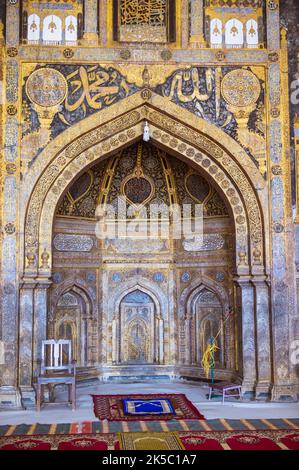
{"type": "Point", "coordinates": [56, 355]}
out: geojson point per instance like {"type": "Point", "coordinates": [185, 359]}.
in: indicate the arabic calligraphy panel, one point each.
{"type": "Point", "coordinates": [77, 90]}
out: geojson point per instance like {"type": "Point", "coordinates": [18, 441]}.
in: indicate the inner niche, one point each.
{"type": "Point", "coordinates": [126, 329]}
{"type": "Point", "coordinates": [137, 330]}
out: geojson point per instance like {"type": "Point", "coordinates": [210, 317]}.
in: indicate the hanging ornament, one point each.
{"type": "Point", "coordinates": [234, 30]}
{"type": "Point", "coordinates": [33, 25]}
{"type": "Point", "coordinates": [216, 30]}
{"type": "Point", "coordinates": [252, 31]}
{"type": "Point", "coordinates": [71, 27]}
{"type": "Point", "coordinates": [52, 26]}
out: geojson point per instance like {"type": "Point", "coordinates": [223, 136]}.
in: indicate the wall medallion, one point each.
{"type": "Point", "coordinates": [273, 56]}
{"type": "Point", "coordinates": [11, 168]}
{"type": "Point", "coordinates": [116, 277]}
{"type": "Point", "coordinates": [276, 170]}
{"type": "Point", "coordinates": [10, 228]}
{"type": "Point", "coordinates": [12, 51]}
{"type": "Point", "coordinates": [220, 55]}
{"type": "Point", "coordinates": [220, 276]}
{"type": "Point", "coordinates": [11, 110]}
{"type": "Point", "coordinates": [91, 277]}
{"type": "Point", "coordinates": [275, 113]}
{"type": "Point", "coordinates": [57, 278]}
{"type": "Point", "coordinates": [68, 53]}
{"type": "Point", "coordinates": [240, 88]}
{"type": "Point", "coordinates": [278, 228]}
{"type": "Point", "coordinates": [46, 87]}
{"type": "Point", "coordinates": [146, 94]}
{"type": "Point", "coordinates": [186, 277]}
{"type": "Point", "coordinates": [125, 54]}
{"type": "Point", "coordinates": [158, 277]}
{"type": "Point", "coordinates": [166, 54]}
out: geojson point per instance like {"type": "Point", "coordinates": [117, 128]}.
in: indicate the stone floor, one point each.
{"type": "Point", "coordinates": [195, 392]}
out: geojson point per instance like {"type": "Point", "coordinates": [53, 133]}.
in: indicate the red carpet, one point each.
{"type": "Point", "coordinates": [110, 407]}
{"type": "Point", "coordinates": [196, 440]}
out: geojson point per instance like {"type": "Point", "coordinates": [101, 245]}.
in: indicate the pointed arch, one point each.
{"type": "Point", "coordinates": [189, 138]}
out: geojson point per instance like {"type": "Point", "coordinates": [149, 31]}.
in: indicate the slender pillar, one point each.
{"type": "Point", "coordinates": [26, 308]}
{"type": "Point", "coordinates": [91, 22]}
{"type": "Point", "coordinates": [248, 336]}
{"type": "Point", "coordinates": [39, 320]}
{"type": "Point", "coordinates": [263, 340]}
{"type": "Point", "coordinates": [197, 23]}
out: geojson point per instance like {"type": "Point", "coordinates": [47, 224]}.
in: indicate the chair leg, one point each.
{"type": "Point", "coordinates": [38, 398]}
{"type": "Point", "coordinates": [69, 387]}
{"type": "Point", "coordinates": [210, 393]}
{"type": "Point", "coordinates": [223, 397]}
{"type": "Point", "coordinates": [73, 396]}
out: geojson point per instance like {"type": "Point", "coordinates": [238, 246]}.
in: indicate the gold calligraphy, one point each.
{"type": "Point", "coordinates": [192, 76]}
{"type": "Point", "coordinates": [93, 87]}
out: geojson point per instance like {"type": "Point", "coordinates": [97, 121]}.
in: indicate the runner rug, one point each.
{"type": "Point", "coordinates": [144, 407]}
{"type": "Point", "coordinates": [196, 440]}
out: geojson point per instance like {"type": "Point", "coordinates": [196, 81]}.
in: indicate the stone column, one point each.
{"type": "Point", "coordinates": [39, 320]}
{"type": "Point", "coordinates": [248, 336]}
{"type": "Point", "coordinates": [26, 316]}
{"type": "Point", "coordinates": [171, 321]}
{"type": "Point", "coordinates": [197, 23]}
{"type": "Point", "coordinates": [188, 323]}
{"type": "Point", "coordinates": [90, 36]}
{"type": "Point", "coordinates": [263, 340]}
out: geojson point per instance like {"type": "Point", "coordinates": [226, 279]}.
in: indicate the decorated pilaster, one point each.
{"type": "Point", "coordinates": [9, 393]}
{"type": "Point", "coordinates": [263, 339]}
{"type": "Point", "coordinates": [26, 341]}
{"type": "Point", "coordinates": [247, 304]}
{"type": "Point", "coordinates": [197, 23]}
{"type": "Point", "coordinates": [282, 279]}
{"type": "Point", "coordinates": [91, 22]}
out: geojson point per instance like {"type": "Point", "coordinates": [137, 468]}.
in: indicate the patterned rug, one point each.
{"type": "Point", "coordinates": [150, 441]}
{"type": "Point", "coordinates": [106, 427]}
{"type": "Point", "coordinates": [194, 440]}
{"type": "Point", "coordinates": [144, 407]}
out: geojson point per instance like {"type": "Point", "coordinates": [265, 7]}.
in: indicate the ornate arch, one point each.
{"type": "Point", "coordinates": [144, 286]}
{"type": "Point", "coordinates": [189, 137]}
{"type": "Point", "coordinates": [195, 287]}
{"type": "Point", "coordinates": [79, 287]}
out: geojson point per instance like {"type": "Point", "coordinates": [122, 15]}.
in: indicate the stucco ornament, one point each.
{"type": "Point", "coordinates": [46, 87]}
{"type": "Point", "coordinates": [240, 88]}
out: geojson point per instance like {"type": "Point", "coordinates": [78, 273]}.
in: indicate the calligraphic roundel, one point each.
{"type": "Point", "coordinates": [46, 87]}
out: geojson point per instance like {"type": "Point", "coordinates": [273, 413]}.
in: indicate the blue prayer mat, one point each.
{"type": "Point", "coordinates": [158, 406]}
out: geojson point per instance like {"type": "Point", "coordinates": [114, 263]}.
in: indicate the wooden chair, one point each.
{"type": "Point", "coordinates": [57, 367]}
{"type": "Point", "coordinates": [226, 389]}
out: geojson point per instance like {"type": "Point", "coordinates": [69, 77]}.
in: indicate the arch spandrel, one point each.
{"type": "Point", "coordinates": [219, 165]}
{"type": "Point", "coordinates": [120, 111]}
